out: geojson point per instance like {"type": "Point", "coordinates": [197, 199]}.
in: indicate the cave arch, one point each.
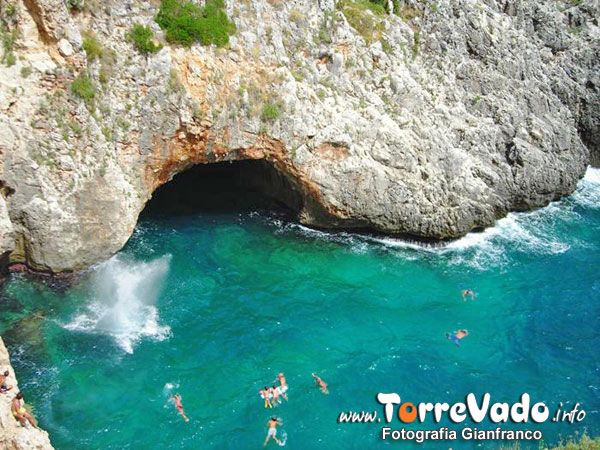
{"type": "Point", "coordinates": [239, 185]}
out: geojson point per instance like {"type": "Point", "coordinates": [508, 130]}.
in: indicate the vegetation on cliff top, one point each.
{"type": "Point", "coordinates": [186, 23]}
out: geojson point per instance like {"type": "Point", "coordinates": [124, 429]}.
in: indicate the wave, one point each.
{"type": "Point", "coordinates": [124, 293]}
{"type": "Point", "coordinates": [528, 232]}
{"type": "Point", "coordinates": [587, 194]}
{"type": "Point", "coordinates": [355, 242]}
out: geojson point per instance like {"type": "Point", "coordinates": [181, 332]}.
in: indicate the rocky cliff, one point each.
{"type": "Point", "coordinates": [12, 435]}
{"type": "Point", "coordinates": [430, 120]}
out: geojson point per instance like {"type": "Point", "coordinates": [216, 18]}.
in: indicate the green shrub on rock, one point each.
{"type": "Point", "coordinates": [365, 17]}
{"type": "Point", "coordinates": [75, 4]}
{"type": "Point", "coordinates": [83, 88]}
{"type": "Point", "coordinates": [186, 23]}
{"type": "Point", "coordinates": [8, 43]}
{"type": "Point", "coordinates": [142, 38]}
{"type": "Point", "coordinates": [270, 112]}
{"type": "Point", "coordinates": [92, 46]}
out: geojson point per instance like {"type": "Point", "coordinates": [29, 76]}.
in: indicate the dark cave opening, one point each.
{"type": "Point", "coordinates": [225, 187]}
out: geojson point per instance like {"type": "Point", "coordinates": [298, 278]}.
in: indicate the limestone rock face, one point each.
{"type": "Point", "coordinates": [12, 435]}
{"type": "Point", "coordinates": [7, 235]}
{"type": "Point", "coordinates": [53, 21]}
{"type": "Point", "coordinates": [429, 122]}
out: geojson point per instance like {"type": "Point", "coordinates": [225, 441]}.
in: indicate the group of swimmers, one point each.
{"type": "Point", "coordinates": [271, 395]}
{"type": "Point", "coordinates": [17, 406]}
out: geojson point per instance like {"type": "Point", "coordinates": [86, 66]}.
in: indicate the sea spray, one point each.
{"type": "Point", "coordinates": [169, 389]}
{"type": "Point", "coordinates": [124, 293]}
{"type": "Point", "coordinates": [528, 232]}
{"type": "Point", "coordinates": [588, 190]}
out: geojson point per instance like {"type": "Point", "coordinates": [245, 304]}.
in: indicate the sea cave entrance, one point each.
{"type": "Point", "coordinates": [225, 187]}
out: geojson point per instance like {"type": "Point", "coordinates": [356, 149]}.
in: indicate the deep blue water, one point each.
{"type": "Point", "coordinates": [214, 304]}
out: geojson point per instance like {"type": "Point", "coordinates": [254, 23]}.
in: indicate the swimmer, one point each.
{"type": "Point", "coordinates": [457, 336]}
{"type": "Point", "coordinates": [4, 388]}
{"type": "Point", "coordinates": [177, 399]}
{"type": "Point", "coordinates": [19, 411]}
{"type": "Point", "coordinates": [272, 424]}
{"type": "Point", "coordinates": [264, 393]}
{"type": "Point", "coordinates": [320, 383]}
{"type": "Point", "coordinates": [468, 292]}
{"type": "Point", "coordinates": [283, 387]}
{"type": "Point", "coordinates": [276, 391]}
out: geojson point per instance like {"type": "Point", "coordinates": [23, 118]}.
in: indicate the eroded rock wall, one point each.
{"type": "Point", "coordinates": [430, 123]}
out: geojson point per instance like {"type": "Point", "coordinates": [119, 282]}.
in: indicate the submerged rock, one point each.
{"type": "Point", "coordinates": [429, 123]}
{"type": "Point", "coordinates": [12, 435]}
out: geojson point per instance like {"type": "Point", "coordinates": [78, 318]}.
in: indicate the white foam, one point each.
{"type": "Point", "coordinates": [403, 244]}
{"type": "Point", "coordinates": [592, 175]}
{"type": "Point", "coordinates": [124, 293]}
{"type": "Point", "coordinates": [356, 243]}
{"type": "Point", "coordinates": [588, 191]}
{"type": "Point", "coordinates": [476, 239]}
{"type": "Point", "coordinates": [530, 232]}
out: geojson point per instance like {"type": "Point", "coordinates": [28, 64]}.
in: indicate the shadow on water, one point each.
{"type": "Point", "coordinates": [28, 329]}
{"type": "Point", "coordinates": [26, 302]}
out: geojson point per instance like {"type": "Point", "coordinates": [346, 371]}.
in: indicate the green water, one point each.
{"type": "Point", "coordinates": [214, 304]}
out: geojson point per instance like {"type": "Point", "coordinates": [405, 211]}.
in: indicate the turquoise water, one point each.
{"type": "Point", "coordinates": [213, 305]}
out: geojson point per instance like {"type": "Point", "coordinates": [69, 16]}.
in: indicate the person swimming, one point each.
{"type": "Point", "coordinates": [457, 336]}
{"type": "Point", "coordinates": [179, 406]}
{"type": "Point", "coordinates": [283, 387]}
{"type": "Point", "coordinates": [265, 393]}
{"type": "Point", "coordinates": [272, 433]}
{"type": "Point", "coordinates": [276, 392]}
{"type": "Point", "coordinates": [320, 383]}
{"type": "Point", "coordinates": [468, 292]}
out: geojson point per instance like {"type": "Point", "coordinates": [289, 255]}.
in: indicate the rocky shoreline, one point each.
{"type": "Point", "coordinates": [12, 435]}
{"type": "Point", "coordinates": [429, 122]}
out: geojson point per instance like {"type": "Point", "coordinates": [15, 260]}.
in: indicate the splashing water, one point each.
{"type": "Point", "coordinates": [282, 439]}
{"type": "Point", "coordinates": [588, 192]}
{"type": "Point", "coordinates": [124, 293]}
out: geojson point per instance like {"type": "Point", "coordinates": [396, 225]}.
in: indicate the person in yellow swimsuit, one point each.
{"type": "Point", "coordinates": [20, 412]}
